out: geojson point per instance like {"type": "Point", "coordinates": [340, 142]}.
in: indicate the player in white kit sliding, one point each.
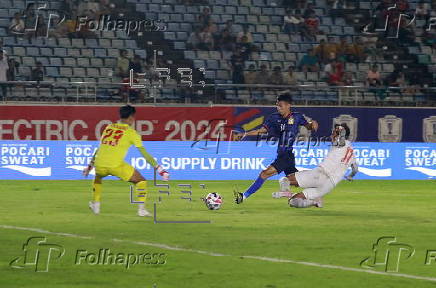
{"type": "Point", "coordinates": [321, 180]}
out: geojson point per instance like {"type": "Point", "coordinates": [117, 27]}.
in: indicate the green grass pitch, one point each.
{"type": "Point", "coordinates": [317, 246]}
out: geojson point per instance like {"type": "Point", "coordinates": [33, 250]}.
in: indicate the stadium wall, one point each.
{"type": "Point", "coordinates": [196, 123]}
{"type": "Point", "coordinates": [223, 160]}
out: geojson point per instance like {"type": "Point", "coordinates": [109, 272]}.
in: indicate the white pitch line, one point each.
{"type": "Point", "coordinates": [45, 231]}
{"type": "Point", "coordinates": [261, 258]}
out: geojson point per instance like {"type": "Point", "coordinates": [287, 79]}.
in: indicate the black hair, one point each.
{"type": "Point", "coordinates": [347, 129]}
{"type": "Point", "coordinates": [127, 111]}
{"type": "Point", "coordinates": [286, 97]}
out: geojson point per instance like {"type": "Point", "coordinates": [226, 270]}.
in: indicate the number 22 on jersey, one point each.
{"type": "Point", "coordinates": [112, 137]}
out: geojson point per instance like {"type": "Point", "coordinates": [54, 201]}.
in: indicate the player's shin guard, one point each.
{"type": "Point", "coordinates": [96, 191]}
{"type": "Point", "coordinates": [285, 184]}
{"type": "Point", "coordinates": [301, 203]}
{"type": "Point", "coordinates": [141, 192]}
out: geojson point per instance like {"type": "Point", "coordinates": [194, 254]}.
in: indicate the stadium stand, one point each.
{"type": "Point", "coordinates": [91, 56]}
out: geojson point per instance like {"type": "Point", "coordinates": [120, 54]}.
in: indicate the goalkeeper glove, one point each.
{"type": "Point", "coordinates": [163, 173]}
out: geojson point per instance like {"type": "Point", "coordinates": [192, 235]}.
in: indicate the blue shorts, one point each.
{"type": "Point", "coordinates": [285, 162]}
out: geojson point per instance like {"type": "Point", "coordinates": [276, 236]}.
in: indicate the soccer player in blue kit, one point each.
{"type": "Point", "coordinates": [283, 124]}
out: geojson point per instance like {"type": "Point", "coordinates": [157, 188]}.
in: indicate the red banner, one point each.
{"type": "Point", "coordinates": [87, 122]}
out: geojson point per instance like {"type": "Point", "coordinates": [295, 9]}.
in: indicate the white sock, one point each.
{"type": "Point", "coordinates": [141, 206]}
{"type": "Point", "coordinates": [285, 184]}
{"type": "Point", "coordinates": [301, 203]}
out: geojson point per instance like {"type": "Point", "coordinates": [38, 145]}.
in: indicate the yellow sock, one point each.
{"type": "Point", "coordinates": [141, 191]}
{"type": "Point", "coordinates": [96, 188]}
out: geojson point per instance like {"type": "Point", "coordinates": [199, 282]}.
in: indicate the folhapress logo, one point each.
{"type": "Point", "coordinates": [38, 254]}
{"type": "Point", "coordinates": [387, 254]}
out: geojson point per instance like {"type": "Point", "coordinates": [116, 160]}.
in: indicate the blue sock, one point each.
{"type": "Point", "coordinates": [254, 187]}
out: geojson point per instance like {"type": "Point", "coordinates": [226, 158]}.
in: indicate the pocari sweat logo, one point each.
{"type": "Point", "coordinates": [373, 161]}
{"type": "Point", "coordinates": [78, 156]}
{"type": "Point", "coordinates": [308, 158]}
{"type": "Point", "coordinates": [421, 159]}
{"type": "Point", "coordinates": [26, 158]}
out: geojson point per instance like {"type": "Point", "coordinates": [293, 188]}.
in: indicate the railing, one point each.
{"type": "Point", "coordinates": [165, 93]}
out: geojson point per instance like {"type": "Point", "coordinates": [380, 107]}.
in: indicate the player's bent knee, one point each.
{"type": "Point", "coordinates": [136, 177]}
{"type": "Point", "coordinates": [292, 179]}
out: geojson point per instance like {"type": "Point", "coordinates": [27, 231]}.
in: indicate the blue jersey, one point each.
{"type": "Point", "coordinates": [285, 129]}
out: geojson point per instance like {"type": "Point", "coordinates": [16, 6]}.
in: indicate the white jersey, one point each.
{"type": "Point", "coordinates": [337, 161]}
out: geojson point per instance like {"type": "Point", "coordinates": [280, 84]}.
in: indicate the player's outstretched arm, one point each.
{"type": "Point", "coordinates": [312, 125]}
{"type": "Point", "coordinates": [255, 132]}
{"type": "Point", "coordinates": [150, 160]}
{"type": "Point", "coordinates": [354, 170]}
{"type": "Point", "coordinates": [88, 169]}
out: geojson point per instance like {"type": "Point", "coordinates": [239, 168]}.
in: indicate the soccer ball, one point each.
{"type": "Point", "coordinates": [213, 201]}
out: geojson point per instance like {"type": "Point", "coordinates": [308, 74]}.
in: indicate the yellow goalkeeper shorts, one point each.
{"type": "Point", "coordinates": [124, 171]}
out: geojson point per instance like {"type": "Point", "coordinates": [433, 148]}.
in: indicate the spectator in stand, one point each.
{"type": "Point", "coordinates": [5, 54]}
{"type": "Point", "coordinates": [37, 73]}
{"type": "Point", "coordinates": [335, 77]}
{"type": "Point", "coordinates": [29, 18]}
{"type": "Point", "coordinates": [309, 62]}
{"type": "Point", "coordinates": [194, 40]}
{"type": "Point", "coordinates": [373, 78]}
{"type": "Point", "coordinates": [136, 64]}
{"type": "Point", "coordinates": [406, 34]}
{"type": "Point", "coordinates": [262, 76]}
{"type": "Point", "coordinates": [348, 79]}
{"type": "Point", "coordinates": [213, 28]}
{"type": "Point", "coordinates": [340, 4]}
{"type": "Point", "coordinates": [199, 25]}
{"type": "Point", "coordinates": [293, 22]}
{"type": "Point", "coordinates": [41, 27]}
{"type": "Point", "coordinates": [122, 69]}
{"type": "Point", "coordinates": [225, 41]}
{"type": "Point", "coordinates": [206, 16]}
{"type": "Point", "coordinates": [328, 68]}
{"type": "Point", "coordinates": [355, 51]}
{"type": "Point", "coordinates": [289, 77]}
{"type": "Point", "coordinates": [312, 25]}
{"type": "Point", "coordinates": [246, 47]}
{"type": "Point", "coordinates": [309, 11]}
{"type": "Point", "coordinates": [59, 29]}
{"type": "Point", "coordinates": [323, 50]}
{"type": "Point", "coordinates": [69, 5]}
{"type": "Point", "coordinates": [250, 75]}
{"type": "Point", "coordinates": [4, 67]}
{"type": "Point", "coordinates": [17, 25]}
{"type": "Point", "coordinates": [342, 48]}
{"type": "Point", "coordinates": [422, 11]}
{"type": "Point", "coordinates": [13, 70]}
{"type": "Point", "coordinates": [245, 32]}
{"type": "Point", "coordinates": [129, 93]}
{"type": "Point", "coordinates": [206, 40]}
{"type": "Point", "coordinates": [237, 66]}
{"type": "Point", "coordinates": [276, 77]}
{"type": "Point", "coordinates": [402, 5]}
{"type": "Point", "coordinates": [429, 38]}
{"type": "Point", "coordinates": [230, 28]}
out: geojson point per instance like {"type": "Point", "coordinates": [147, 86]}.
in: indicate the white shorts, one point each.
{"type": "Point", "coordinates": [317, 183]}
{"type": "Point", "coordinates": [311, 178]}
